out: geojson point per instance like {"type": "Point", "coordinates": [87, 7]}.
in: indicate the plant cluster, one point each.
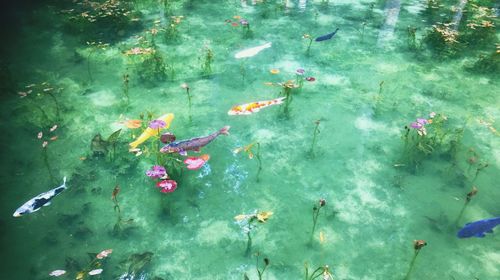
{"type": "Point", "coordinates": [42, 102]}
{"type": "Point", "coordinates": [97, 18]}
{"type": "Point", "coordinates": [148, 61]}
{"type": "Point", "coordinates": [249, 222]}
{"type": "Point", "coordinates": [427, 136]}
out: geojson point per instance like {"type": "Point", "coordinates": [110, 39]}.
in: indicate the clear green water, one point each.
{"type": "Point", "coordinates": [377, 203]}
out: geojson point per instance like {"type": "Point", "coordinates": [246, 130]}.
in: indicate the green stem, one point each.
{"type": "Point", "coordinates": [315, 219]}
{"type": "Point", "coordinates": [259, 160]}
{"type": "Point", "coordinates": [56, 103]}
{"type": "Point", "coordinates": [47, 165]}
{"type": "Point", "coordinates": [315, 135]}
{"type": "Point", "coordinates": [249, 244]}
{"type": "Point", "coordinates": [461, 213]}
{"type": "Point", "coordinates": [88, 65]}
{"type": "Point", "coordinates": [412, 263]}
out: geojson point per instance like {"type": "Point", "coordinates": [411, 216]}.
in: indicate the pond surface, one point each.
{"type": "Point", "coordinates": [347, 132]}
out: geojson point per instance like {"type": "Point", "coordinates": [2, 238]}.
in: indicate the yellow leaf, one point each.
{"type": "Point", "coordinates": [322, 238]}
{"type": "Point", "coordinates": [263, 216]}
{"type": "Point", "coordinates": [80, 275]}
{"type": "Point", "coordinates": [240, 217]}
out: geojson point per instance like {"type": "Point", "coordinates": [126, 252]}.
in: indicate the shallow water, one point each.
{"type": "Point", "coordinates": [368, 86]}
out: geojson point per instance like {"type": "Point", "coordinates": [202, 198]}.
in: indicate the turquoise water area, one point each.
{"type": "Point", "coordinates": [89, 67]}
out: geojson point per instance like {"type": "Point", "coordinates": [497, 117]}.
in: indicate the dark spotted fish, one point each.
{"type": "Point", "coordinates": [40, 200]}
{"type": "Point", "coordinates": [326, 37]}
{"type": "Point", "coordinates": [193, 144]}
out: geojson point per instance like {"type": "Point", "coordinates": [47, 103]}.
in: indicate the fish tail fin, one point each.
{"type": "Point", "coordinates": [64, 181]}
{"type": "Point", "coordinates": [279, 100]}
{"type": "Point", "coordinates": [268, 45]}
{"type": "Point", "coordinates": [225, 130]}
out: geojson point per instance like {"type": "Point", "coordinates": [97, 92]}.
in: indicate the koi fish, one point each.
{"type": "Point", "coordinates": [193, 144]}
{"type": "Point", "coordinates": [326, 37]}
{"type": "Point", "coordinates": [250, 108]}
{"type": "Point", "coordinates": [478, 228]}
{"type": "Point", "coordinates": [40, 200]}
{"type": "Point", "coordinates": [252, 51]}
{"type": "Point", "coordinates": [148, 132]}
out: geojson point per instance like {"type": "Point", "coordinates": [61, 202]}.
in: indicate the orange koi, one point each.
{"type": "Point", "coordinates": [250, 108]}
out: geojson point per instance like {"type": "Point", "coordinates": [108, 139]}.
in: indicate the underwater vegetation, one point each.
{"type": "Point", "coordinates": [325, 100]}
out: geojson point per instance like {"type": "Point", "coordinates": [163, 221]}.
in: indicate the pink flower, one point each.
{"type": "Point", "coordinates": [194, 163]}
{"type": "Point", "coordinates": [104, 253]}
{"type": "Point", "coordinates": [310, 79]}
{"type": "Point", "coordinates": [167, 186]}
{"type": "Point", "coordinates": [40, 135]}
{"type": "Point", "coordinates": [157, 171]}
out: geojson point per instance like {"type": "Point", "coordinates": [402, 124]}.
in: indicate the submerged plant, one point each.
{"type": "Point", "coordinates": [186, 87]}
{"type": "Point", "coordinates": [94, 46]}
{"type": "Point", "coordinates": [248, 150]}
{"type": "Point", "coordinates": [125, 88]}
{"type": "Point", "coordinates": [148, 61]}
{"type": "Point", "coordinates": [245, 25]}
{"type": "Point", "coordinates": [314, 138]}
{"type": "Point", "coordinates": [411, 32]}
{"type": "Point", "coordinates": [287, 90]}
{"type": "Point", "coordinates": [171, 31]}
{"type": "Point", "coordinates": [37, 97]}
{"type": "Point", "coordinates": [468, 199]}
{"type": "Point", "coordinates": [426, 136]}
{"type": "Point", "coordinates": [322, 271]}
{"type": "Point", "coordinates": [207, 59]}
{"type": "Point", "coordinates": [249, 222]}
{"type": "Point", "coordinates": [48, 137]}
{"type": "Point", "coordinates": [315, 213]}
{"type": "Point", "coordinates": [309, 43]}
{"type": "Point", "coordinates": [417, 245]}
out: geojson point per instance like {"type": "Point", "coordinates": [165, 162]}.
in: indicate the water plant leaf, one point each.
{"type": "Point", "coordinates": [114, 136]}
{"type": "Point", "coordinates": [264, 216]}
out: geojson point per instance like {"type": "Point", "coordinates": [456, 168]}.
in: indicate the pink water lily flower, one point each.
{"type": "Point", "coordinates": [57, 273]}
{"type": "Point", "coordinates": [167, 186]}
{"type": "Point", "coordinates": [157, 171]}
{"type": "Point", "coordinates": [96, 271]}
{"type": "Point", "coordinates": [104, 253]}
{"type": "Point", "coordinates": [157, 124]}
{"type": "Point", "coordinates": [193, 163]}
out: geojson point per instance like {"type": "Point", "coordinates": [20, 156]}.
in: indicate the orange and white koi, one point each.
{"type": "Point", "coordinates": [250, 108]}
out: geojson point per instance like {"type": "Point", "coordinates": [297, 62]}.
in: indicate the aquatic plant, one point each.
{"type": "Point", "coordinates": [249, 222]}
{"type": "Point", "coordinates": [245, 25]}
{"type": "Point", "coordinates": [442, 39]}
{"type": "Point", "coordinates": [417, 246]}
{"type": "Point", "coordinates": [46, 138]}
{"type": "Point", "coordinates": [171, 30]}
{"type": "Point", "coordinates": [148, 62]}
{"type": "Point", "coordinates": [488, 64]}
{"type": "Point", "coordinates": [314, 138]}
{"type": "Point", "coordinates": [114, 198]}
{"type": "Point", "coordinates": [411, 32]}
{"type": "Point", "coordinates": [94, 267]}
{"type": "Point", "coordinates": [248, 150]}
{"type": "Point", "coordinates": [186, 87]}
{"type": "Point", "coordinates": [315, 213]}
{"type": "Point", "coordinates": [468, 199]}
{"type": "Point", "coordinates": [91, 19]}
{"type": "Point", "coordinates": [40, 98]}
{"type": "Point", "coordinates": [260, 273]}
{"type": "Point", "coordinates": [125, 87]}
{"type": "Point", "coordinates": [207, 59]}
{"type": "Point", "coordinates": [425, 137]}
{"type": "Point", "coordinates": [309, 43]}
{"type": "Point", "coordinates": [93, 47]}
{"type": "Point", "coordinates": [287, 90]}
{"type": "Point", "coordinates": [112, 140]}
{"type": "Point", "coordinates": [322, 271]}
